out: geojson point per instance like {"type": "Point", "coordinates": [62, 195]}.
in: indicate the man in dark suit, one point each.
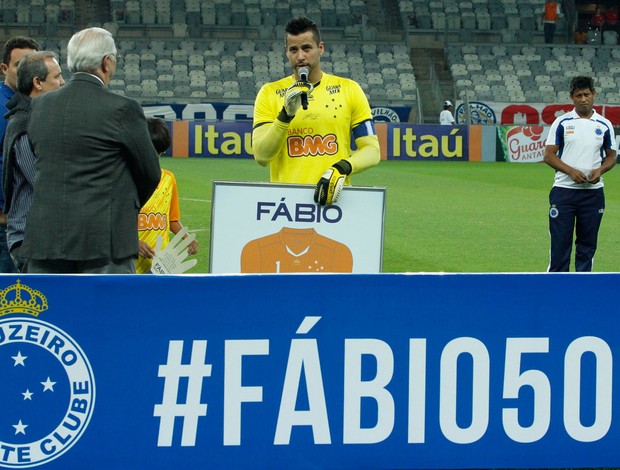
{"type": "Point", "coordinates": [96, 167]}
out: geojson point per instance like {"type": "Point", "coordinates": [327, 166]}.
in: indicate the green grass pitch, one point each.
{"type": "Point", "coordinates": [452, 217]}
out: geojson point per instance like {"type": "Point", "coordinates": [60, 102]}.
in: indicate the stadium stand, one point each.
{"type": "Point", "coordinates": [413, 52]}
{"type": "Point", "coordinates": [216, 50]}
{"type": "Point", "coordinates": [531, 73]}
{"type": "Point", "coordinates": [475, 15]}
{"type": "Point", "coordinates": [251, 63]}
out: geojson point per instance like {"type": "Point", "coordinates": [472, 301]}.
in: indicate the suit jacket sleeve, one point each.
{"type": "Point", "coordinates": [142, 157]}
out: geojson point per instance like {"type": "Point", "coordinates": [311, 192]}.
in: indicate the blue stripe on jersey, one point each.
{"type": "Point", "coordinates": [364, 128]}
{"type": "Point", "coordinates": [559, 136]}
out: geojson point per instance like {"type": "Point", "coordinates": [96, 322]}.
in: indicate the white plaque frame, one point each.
{"type": "Point", "coordinates": [242, 212]}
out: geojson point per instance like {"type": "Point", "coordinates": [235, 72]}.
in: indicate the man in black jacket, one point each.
{"type": "Point", "coordinates": [96, 167]}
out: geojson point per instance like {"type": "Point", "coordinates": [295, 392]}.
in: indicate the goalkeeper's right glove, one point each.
{"type": "Point", "coordinates": [330, 185]}
{"type": "Point", "coordinates": [292, 100]}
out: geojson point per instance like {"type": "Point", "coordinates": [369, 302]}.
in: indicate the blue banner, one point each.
{"type": "Point", "coordinates": [308, 371]}
{"type": "Point", "coordinates": [244, 112]}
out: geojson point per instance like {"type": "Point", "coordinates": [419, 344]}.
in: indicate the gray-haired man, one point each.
{"type": "Point", "coordinates": [96, 166]}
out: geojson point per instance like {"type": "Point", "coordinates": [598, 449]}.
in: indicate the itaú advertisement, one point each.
{"type": "Point", "coordinates": [210, 139]}
{"type": "Point", "coordinates": [535, 114]}
{"type": "Point", "coordinates": [523, 144]}
{"type": "Point", "coordinates": [223, 140]}
{"type": "Point", "coordinates": [297, 371]}
{"type": "Point", "coordinates": [398, 141]}
{"type": "Point", "coordinates": [425, 142]}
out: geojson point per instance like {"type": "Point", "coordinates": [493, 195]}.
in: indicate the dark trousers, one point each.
{"type": "Point", "coordinates": [20, 263]}
{"type": "Point", "coordinates": [94, 266]}
{"type": "Point", "coordinates": [578, 211]}
{"type": "Point", "coordinates": [549, 29]}
{"type": "Point", "coordinates": [6, 262]}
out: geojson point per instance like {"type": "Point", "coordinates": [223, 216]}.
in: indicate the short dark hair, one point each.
{"type": "Point", "coordinates": [580, 83]}
{"type": "Point", "coordinates": [30, 67]}
{"type": "Point", "coordinates": [17, 42]}
{"type": "Point", "coordinates": [299, 25]}
{"type": "Point", "coordinates": [160, 135]}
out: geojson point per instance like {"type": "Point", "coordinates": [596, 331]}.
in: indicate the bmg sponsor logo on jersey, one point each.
{"type": "Point", "coordinates": [152, 221]}
{"type": "Point", "coordinates": [312, 145]}
{"type": "Point", "coordinates": [47, 395]}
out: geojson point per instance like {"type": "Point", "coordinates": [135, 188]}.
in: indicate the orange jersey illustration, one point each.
{"type": "Point", "coordinates": [296, 251]}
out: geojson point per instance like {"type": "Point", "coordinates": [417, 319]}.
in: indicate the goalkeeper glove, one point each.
{"type": "Point", "coordinates": [330, 185]}
{"type": "Point", "coordinates": [292, 100]}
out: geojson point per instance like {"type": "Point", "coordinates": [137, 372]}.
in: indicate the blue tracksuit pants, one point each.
{"type": "Point", "coordinates": [578, 211]}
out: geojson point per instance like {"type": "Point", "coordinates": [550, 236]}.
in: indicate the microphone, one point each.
{"type": "Point", "coordinates": [303, 76]}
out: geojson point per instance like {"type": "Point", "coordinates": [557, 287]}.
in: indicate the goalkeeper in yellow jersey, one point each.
{"type": "Point", "coordinates": [303, 123]}
{"type": "Point", "coordinates": [160, 215]}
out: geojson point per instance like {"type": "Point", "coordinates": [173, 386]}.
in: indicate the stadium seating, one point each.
{"type": "Point", "coordinates": [222, 50]}
{"type": "Point", "coordinates": [474, 15]}
{"type": "Point", "coordinates": [328, 13]}
{"type": "Point", "coordinates": [38, 12]}
{"type": "Point", "coordinates": [531, 73]}
{"type": "Point", "coordinates": [235, 69]}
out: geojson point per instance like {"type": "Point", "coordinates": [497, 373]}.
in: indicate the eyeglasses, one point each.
{"type": "Point", "coordinates": [117, 56]}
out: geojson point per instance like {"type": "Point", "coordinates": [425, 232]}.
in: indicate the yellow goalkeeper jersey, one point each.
{"type": "Point", "coordinates": [154, 218]}
{"type": "Point", "coordinates": [319, 136]}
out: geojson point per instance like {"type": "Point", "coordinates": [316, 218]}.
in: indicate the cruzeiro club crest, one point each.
{"type": "Point", "coordinates": [47, 390]}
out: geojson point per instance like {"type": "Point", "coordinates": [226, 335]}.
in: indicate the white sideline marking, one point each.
{"type": "Point", "coordinates": [194, 200]}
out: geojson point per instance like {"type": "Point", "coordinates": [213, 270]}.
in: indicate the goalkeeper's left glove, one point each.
{"type": "Point", "coordinates": [330, 185]}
